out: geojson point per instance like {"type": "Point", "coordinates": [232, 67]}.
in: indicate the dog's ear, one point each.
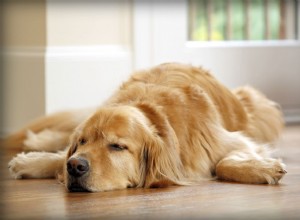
{"type": "Point", "coordinates": [160, 157]}
{"type": "Point", "coordinates": [73, 141]}
{"type": "Point", "coordinates": [72, 148]}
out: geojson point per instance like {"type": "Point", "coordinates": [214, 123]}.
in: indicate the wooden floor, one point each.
{"type": "Point", "coordinates": [47, 199]}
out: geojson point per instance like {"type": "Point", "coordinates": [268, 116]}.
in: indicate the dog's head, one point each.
{"type": "Point", "coordinates": [120, 147]}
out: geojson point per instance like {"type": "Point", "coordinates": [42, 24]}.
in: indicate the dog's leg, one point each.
{"type": "Point", "coordinates": [46, 140]}
{"type": "Point", "coordinates": [248, 167]}
{"type": "Point", "coordinates": [37, 165]}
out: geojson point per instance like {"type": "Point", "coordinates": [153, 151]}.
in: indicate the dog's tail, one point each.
{"type": "Point", "coordinates": [265, 120]}
{"type": "Point", "coordinates": [61, 121]}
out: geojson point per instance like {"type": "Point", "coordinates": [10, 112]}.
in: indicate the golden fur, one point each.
{"type": "Point", "coordinates": [172, 124]}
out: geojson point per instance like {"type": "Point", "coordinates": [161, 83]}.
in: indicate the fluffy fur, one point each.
{"type": "Point", "coordinates": [173, 124]}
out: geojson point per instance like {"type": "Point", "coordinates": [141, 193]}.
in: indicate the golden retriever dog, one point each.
{"type": "Point", "coordinates": [173, 124]}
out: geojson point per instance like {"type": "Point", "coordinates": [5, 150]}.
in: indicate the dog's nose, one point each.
{"type": "Point", "coordinates": [77, 166]}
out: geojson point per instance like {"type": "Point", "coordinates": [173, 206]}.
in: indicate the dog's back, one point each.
{"type": "Point", "coordinates": [244, 109]}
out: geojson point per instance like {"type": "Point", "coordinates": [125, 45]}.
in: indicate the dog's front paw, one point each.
{"type": "Point", "coordinates": [18, 166]}
{"type": "Point", "coordinates": [274, 170]}
{"type": "Point", "coordinates": [31, 165]}
{"type": "Point", "coordinates": [36, 164]}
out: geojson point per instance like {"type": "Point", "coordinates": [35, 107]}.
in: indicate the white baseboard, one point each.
{"type": "Point", "coordinates": [83, 76]}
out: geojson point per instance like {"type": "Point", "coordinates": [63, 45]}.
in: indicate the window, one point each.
{"type": "Point", "coordinates": [215, 20]}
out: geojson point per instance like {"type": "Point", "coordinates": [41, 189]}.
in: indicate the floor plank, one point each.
{"type": "Point", "coordinates": [46, 199]}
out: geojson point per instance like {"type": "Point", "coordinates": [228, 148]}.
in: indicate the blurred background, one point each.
{"type": "Point", "coordinates": [59, 55]}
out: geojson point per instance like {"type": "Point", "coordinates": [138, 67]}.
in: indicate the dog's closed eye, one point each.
{"type": "Point", "coordinates": [82, 141]}
{"type": "Point", "coordinates": [117, 147]}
